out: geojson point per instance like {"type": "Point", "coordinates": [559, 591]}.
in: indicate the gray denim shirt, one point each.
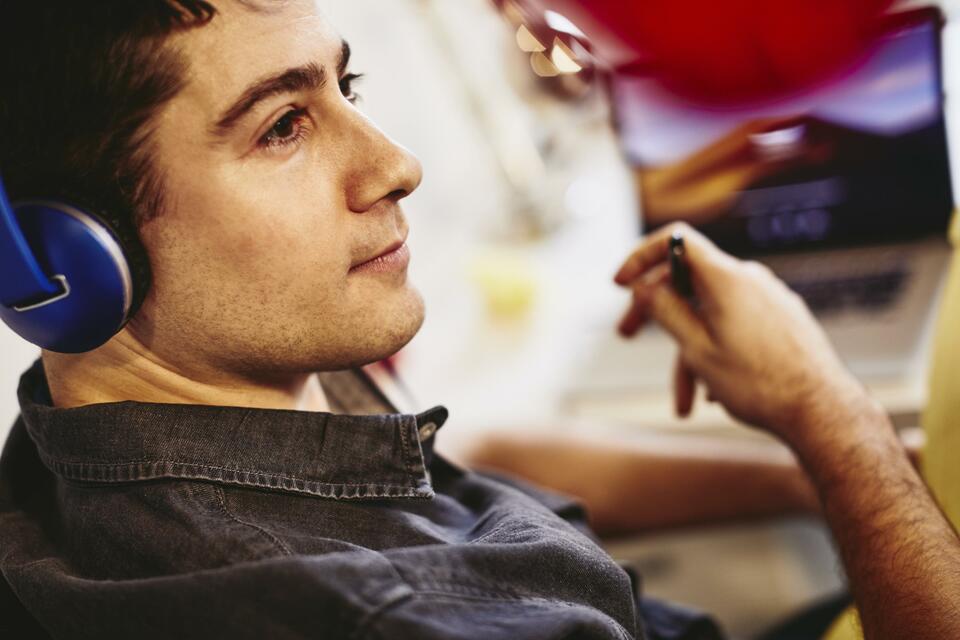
{"type": "Point", "coordinates": [134, 520]}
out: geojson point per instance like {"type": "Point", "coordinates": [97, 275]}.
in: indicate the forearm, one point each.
{"type": "Point", "coordinates": [642, 483]}
{"type": "Point", "coordinates": [901, 554]}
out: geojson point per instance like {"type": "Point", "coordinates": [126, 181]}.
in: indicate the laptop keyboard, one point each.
{"type": "Point", "coordinates": [867, 292]}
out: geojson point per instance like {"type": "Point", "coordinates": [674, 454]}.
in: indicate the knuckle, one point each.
{"type": "Point", "coordinates": [758, 269]}
{"type": "Point", "coordinates": [796, 298]}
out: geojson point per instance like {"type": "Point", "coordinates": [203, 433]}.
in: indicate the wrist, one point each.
{"type": "Point", "coordinates": [836, 432]}
{"type": "Point", "coordinates": [832, 412]}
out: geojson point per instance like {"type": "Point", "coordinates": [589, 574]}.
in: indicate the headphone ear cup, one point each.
{"type": "Point", "coordinates": [76, 248]}
{"type": "Point", "coordinates": [124, 231]}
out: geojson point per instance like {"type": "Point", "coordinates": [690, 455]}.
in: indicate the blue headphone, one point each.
{"type": "Point", "coordinates": [66, 284]}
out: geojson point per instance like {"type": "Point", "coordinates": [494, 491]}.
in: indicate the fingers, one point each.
{"type": "Point", "coordinates": [737, 146]}
{"type": "Point", "coordinates": [651, 252]}
{"type": "Point", "coordinates": [655, 250]}
{"type": "Point", "coordinates": [654, 298]}
{"type": "Point", "coordinates": [684, 388]}
{"type": "Point", "coordinates": [636, 316]}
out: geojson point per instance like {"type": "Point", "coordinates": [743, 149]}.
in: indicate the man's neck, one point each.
{"type": "Point", "coordinates": [125, 369]}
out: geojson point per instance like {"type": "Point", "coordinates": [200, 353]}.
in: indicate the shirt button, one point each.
{"type": "Point", "coordinates": [427, 430]}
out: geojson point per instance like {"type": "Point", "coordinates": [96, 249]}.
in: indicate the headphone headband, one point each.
{"type": "Point", "coordinates": [23, 281]}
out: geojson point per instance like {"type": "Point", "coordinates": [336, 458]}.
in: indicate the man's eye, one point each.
{"type": "Point", "coordinates": [288, 130]}
{"type": "Point", "coordinates": [346, 86]}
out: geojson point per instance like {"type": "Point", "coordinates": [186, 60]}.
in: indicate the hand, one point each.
{"type": "Point", "coordinates": [704, 185]}
{"type": "Point", "coordinates": [751, 340]}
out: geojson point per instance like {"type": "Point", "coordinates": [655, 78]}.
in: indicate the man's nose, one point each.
{"type": "Point", "coordinates": [379, 167]}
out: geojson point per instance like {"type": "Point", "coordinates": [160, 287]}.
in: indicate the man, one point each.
{"type": "Point", "coordinates": [193, 477]}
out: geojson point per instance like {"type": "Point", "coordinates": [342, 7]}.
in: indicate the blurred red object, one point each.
{"type": "Point", "coordinates": [720, 51]}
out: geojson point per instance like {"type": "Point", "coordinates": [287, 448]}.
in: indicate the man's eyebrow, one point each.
{"type": "Point", "coordinates": [309, 77]}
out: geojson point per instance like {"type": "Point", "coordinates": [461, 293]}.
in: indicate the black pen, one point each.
{"type": "Point", "coordinates": [679, 269]}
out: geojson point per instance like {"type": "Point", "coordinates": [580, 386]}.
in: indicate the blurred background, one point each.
{"type": "Point", "coordinates": [547, 152]}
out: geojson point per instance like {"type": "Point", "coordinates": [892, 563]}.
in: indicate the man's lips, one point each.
{"type": "Point", "coordinates": [394, 257]}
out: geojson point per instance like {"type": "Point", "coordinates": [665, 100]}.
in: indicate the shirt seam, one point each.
{"type": "Point", "coordinates": [407, 454]}
{"type": "Point", "coordinates": [221, 500]}
{"type": "Point", "coordinates": [130, 463]}
{"type": "Point", "coordinates": [74, 471]}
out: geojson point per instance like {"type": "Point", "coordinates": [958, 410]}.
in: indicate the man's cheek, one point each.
{"type": "Point", "coordinates": [252, 255]}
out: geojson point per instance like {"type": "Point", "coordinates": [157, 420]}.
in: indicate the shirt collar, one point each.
{"type": "Point", "coordinates": [319, 454]}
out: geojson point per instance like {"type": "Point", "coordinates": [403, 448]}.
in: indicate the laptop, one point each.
{"type": "Point", "coordinates": [843, 189]}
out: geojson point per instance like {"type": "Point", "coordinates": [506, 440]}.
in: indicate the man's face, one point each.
{"type": "Point", "coordinates": [277, 187]}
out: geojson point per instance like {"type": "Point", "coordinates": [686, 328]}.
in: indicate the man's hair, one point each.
{"type": "Point", "coordinates": [80, 82]}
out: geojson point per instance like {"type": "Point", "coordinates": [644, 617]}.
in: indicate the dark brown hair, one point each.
{"type": "Point", "coordinates": [81, 81]}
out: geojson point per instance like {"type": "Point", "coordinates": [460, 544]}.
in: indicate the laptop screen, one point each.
{"type": "Point", "coordinates": [859, 159]}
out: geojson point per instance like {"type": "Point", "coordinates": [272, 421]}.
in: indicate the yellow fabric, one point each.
{"type": "Point", "coordinates": [940, 470]}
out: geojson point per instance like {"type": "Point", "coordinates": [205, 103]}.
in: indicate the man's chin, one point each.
{"type": "Point", "coordinates": [407, 323]}
{"type": "Point", "coordinates": [398, 328]}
